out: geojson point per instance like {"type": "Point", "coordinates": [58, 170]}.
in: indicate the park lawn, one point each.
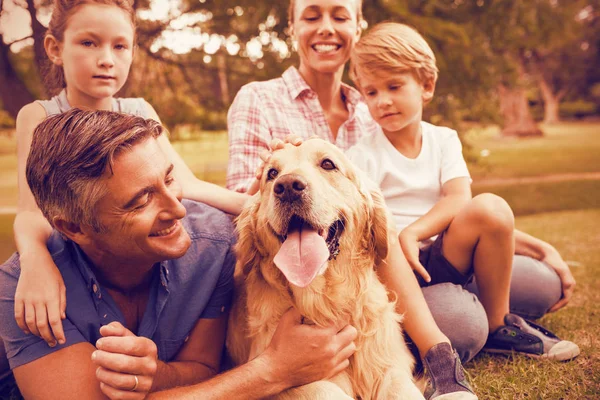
{"type": "Point", "coordinates": [571, 147]}
{"type": "Point", "coordinates": [575, 234]}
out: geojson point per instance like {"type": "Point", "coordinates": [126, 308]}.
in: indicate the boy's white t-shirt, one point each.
{"type": "Point", "coordinates": [411, 187]}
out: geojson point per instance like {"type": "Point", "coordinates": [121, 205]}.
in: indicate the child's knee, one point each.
{"type": "Point", "coordinates": [492, 213]}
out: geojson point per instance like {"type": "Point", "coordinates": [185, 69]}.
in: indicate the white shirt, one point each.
{"type": "Point", "coordinates": [411, 187]}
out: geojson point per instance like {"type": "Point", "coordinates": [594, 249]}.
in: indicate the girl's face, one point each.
{"type": "Point", "coordinates": [97, 50]}
{"type": "Point", "coordinates": [326, 31]}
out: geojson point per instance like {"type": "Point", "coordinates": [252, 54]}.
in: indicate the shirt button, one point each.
{"type": "Point", "coordinates": [95, 288]}
{"type": "Point", "coordinates": [186, 339]}
{"type": "Point", "coordinates": [223, 309]}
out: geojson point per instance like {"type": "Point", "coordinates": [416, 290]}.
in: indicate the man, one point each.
{"type": "Point", "coordinates": [148, 277]}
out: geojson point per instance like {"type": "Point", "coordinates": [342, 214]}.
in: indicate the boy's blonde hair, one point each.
{"type": "Point", "coordinates": [392, 47]}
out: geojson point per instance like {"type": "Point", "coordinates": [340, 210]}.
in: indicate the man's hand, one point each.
{"type": "Point", "coordinates": [409, 242]}
{"type": "Point", "coordinates": [553, 258]}
{"type": "Point", "coordinates": [126, 363]}
{"type": "Point", "coordinates": [299, 354]}
{"type": "Point", "coordinates": [40, 299]}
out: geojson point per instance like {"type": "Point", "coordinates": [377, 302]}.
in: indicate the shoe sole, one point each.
{"type": "Point", "coordinates": [457, 396]}
{"type": "Point", "coordinates": [568, 353]}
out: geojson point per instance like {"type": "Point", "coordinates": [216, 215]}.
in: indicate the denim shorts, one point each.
{"type": "Point", "coordinates": [440, 269]}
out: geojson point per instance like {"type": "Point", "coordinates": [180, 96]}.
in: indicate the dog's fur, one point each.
{"type": "Point", "coordinates": [349, 288]}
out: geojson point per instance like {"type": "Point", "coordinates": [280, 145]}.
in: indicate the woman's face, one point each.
{"type": "Point", "coordinates": [325, 31]}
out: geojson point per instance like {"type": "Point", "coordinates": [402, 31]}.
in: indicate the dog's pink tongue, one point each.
{"type": "Point", "coordinates": [302, 255]}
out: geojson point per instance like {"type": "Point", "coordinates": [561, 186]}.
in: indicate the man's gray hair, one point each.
{"type": "Point", "coordinates": [70, 153]}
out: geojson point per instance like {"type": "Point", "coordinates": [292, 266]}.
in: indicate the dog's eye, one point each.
{"type": "Point", "coordinates": [272, 174]}
{"type": "Point", "coordinates": [327, 164]}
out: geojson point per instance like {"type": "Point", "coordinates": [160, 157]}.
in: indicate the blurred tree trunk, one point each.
{"type": "Point", "coordinates": [38, 42]}
{"type": "Point", "coordinates": [14, 93]}
{"type": "Point", "coordinates": [223, 84]}
{"type": "Point", "coordinates": [551, 102]}
{"type": "Point", "coordinates": [515, 110]}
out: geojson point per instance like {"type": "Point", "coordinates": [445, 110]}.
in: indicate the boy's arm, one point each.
{"type": "Point", "coordinates": [536, 248]}
{"type": "Point", "coordinates": [456, 193]}
{"type": "Point", "coordinates": [194, 188]}
{"type": "Point", "coordinates": [40, 298]}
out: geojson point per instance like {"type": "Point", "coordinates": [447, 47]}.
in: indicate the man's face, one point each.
{"type": "Point", "coordinates": [141, 211]}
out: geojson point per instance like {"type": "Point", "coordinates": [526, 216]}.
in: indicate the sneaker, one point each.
{"type": "Point", "coordinates": [447, 380]}
{"type": "Point", "coordinates": [525, 337]}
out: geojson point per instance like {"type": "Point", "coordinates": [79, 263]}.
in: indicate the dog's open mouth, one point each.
{"type": "Point", "coordinates": [305, 250]}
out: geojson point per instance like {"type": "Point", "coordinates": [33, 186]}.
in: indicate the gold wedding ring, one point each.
{"type": "Point", "coordinates": [137, 382]}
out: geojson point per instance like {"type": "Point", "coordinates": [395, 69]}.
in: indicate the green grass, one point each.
{"type": "Point", "coordinates": [539, 197]}
{"type": "Point", "coordinates": [565, 148]}
{"type": "Point", "coordinates": [576, 235]}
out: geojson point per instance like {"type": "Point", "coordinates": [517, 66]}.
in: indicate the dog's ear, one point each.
{"type": "Point", "coordinates": [379, 226]}
{"type": "Point", "coordinates": [246, 251]}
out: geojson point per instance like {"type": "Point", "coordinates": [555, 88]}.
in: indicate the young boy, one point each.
{"type": "Point", "coordinates": [424, 179]}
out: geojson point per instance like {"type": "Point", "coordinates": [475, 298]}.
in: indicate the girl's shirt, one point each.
{"type": "Point", "coordinates": [279, 107]}
{"type": "Point", "coordinates": [59, 104]}
{"type": "Point", "coordinates": [411, 187]}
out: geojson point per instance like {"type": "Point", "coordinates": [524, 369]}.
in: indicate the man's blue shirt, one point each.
{"type": "Point", "coordinates": [197, 285]}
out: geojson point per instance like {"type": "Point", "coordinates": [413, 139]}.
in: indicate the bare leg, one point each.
{"type": "Point", "coordinates": [418, 322]}
{"type": "Point", "coordinates": [481, 237]}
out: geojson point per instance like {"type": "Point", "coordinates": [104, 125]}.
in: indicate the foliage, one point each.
{"type": "Point", "coordinates": [478, 45]}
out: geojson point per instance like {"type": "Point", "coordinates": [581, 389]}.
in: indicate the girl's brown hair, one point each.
{"type": "Point", "coordinates": [53, 75]}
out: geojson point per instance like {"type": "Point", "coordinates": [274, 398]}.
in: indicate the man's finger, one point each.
{"type": "Point", "coordinates": [115, 328]}
{"type": "Point", "coordinates": [128, 345]}
{"type": "Point", "coordinates": [122, 363]}
{"type": "Point", "coordinates": [123, 382]}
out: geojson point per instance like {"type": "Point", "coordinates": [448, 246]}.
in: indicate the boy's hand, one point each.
{"type": "Point", "coordinates": [265, 155]}
{"type": "Point", "coordinates": [126, 363]}
{"type": "Point", "coordinates": [41, 299]}
{"type": "Point", "coordinates": [410, 247]}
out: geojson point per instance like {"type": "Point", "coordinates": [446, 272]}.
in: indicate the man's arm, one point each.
{"type": "Point", "coordinates": [62, 375]}
{"type": "Point", "coordinates": [198, 360]}
{"type": "Point", "coordinates": [298, 354]}
{"type": "Point", "coordinates": [122, 357]}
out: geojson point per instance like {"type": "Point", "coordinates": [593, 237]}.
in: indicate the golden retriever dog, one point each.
{"type": "Point", "coordinates": [312, 238]}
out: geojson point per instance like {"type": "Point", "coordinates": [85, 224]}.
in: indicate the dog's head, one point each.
{"type": "Point", "coordinates": [312, 208]}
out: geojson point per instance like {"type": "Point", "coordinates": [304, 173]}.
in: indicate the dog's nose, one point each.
{"type": "Point", "coordinates": [289, 187]}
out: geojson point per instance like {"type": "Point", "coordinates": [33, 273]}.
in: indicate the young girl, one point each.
{"type": "Point", "coordinates": [90, 46]}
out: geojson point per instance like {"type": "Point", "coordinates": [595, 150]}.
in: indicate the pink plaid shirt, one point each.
{"type": "Point", "coordinates": [276, 108]}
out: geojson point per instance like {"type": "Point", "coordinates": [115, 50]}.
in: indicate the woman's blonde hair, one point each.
{"type": "Point", "coordinates": [392, 47]}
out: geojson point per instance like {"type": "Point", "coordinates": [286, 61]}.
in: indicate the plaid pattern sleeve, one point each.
{"type": "Point", "coordinates": [248, 135]}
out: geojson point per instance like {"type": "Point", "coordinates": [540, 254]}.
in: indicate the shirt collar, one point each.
{"type": "Point", "coordinates": [297, 86]}
{"type": "Point", "coordinates": [83, 264]}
